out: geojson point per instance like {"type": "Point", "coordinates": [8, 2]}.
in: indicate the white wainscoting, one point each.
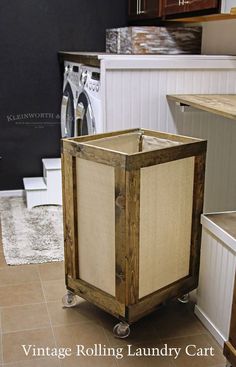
{"type": "Point", "coordinates": [216, 281]}
{"type": "Point", "coordinates": [137, 98]}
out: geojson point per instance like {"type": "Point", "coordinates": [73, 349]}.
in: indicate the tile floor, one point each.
{"type": "Point", "coordinates": [31, 313]}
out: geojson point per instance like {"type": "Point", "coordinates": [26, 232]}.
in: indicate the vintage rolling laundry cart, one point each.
{"type": "Point", "coordinates": [132, 202]}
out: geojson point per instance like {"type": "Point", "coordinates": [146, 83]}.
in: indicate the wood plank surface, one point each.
{"type": "Point", "coordinates": [126, 143]}
{"type": "Point", "coordinates": [70, 215]}
{"type": "Point", "coordinates": [198, 195]}
{"type": "Point", "coordinates": [132, 231]}
{"type": "Point", "coordinates": [230, 353]}
{"type": "Point", "coordinates": [219, 104]}
{"type": "Point", "coordinates": [90, 59]}
{"type": "Point", "coordinates": [151, 302]}
{"type": "Point", "coordinates": [120, 233]}
{"type": "Point", "coordinates": [153, 157]}
{"type": "Point", "coordinates": [95, 154]}
{"type": "Point", "coordinates": [204, 18]}
{"type": "Point", "coordinates": [97, 297]}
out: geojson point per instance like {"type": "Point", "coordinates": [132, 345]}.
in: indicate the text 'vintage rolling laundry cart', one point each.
{"type": "Point", "coordinates": [132, 203]}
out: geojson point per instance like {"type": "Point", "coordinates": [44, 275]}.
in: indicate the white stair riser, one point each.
{"type": "Point", "coordinates": [52, 194]}
{"type": "Point", "coordinates": [41, 197]}
{"type": "Point", "coordinates": [54, 180]}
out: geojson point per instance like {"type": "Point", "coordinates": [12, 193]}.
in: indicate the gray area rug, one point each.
{"type": "Point", "coordinates": [31, 236]}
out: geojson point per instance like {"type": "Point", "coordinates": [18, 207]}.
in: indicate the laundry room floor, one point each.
{"type": "Point", "coordinates": [31, 313]}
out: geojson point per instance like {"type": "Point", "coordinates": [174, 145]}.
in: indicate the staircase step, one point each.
{"type": "Point", "coordinates": [45, 190]}
{"type": "Point", "coordinates": [52, 163]}
{"type": "Point", "coordinates": [34, 183]}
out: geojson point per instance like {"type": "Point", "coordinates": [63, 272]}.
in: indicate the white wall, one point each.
{"type": "Point", "coordinates": [219, 37]}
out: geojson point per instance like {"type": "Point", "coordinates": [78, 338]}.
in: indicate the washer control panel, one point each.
{"type": "Point", "coordinates": [72, 72]}
{"type": "Point", "coordinates": [90, 78]}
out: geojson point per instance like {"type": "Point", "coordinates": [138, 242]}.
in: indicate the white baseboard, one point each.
{"type": "Point", "coordinates": [8, 193]}
{"type": "Point", "coordinates": [209, 325]}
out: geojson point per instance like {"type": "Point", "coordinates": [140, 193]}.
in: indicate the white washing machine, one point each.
{"type": "Point", "coordinates": [89, 106]}
{"type": "Point", "coordinates": [81, 101]}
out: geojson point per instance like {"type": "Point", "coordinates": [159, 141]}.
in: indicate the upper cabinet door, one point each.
{"type": "Point", "coordinates": [172, 7]}
{"type": "Point", "coordinates": [145, 9]}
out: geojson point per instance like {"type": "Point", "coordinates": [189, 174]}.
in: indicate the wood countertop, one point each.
{"type": "Point", "coordinates": [226, 221]}
{"type": "Point", "coordinates": [219, 104]}
{"type": "Point", "coordinates": [151, 61]}
{"type": "Point", "coordinates": [86, 58]}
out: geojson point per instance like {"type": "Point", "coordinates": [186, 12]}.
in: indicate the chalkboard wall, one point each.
{"type": "Point", "coordinates": [31, 34]}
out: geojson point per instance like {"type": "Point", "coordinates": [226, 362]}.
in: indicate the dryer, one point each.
{"type": "Point", "coordinates": [71, 90]}
{"type": "Point", "coordinates": [81, 101]}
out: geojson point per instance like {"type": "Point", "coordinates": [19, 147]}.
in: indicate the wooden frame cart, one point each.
{"type": "Point", "coordinates": [132, 202]}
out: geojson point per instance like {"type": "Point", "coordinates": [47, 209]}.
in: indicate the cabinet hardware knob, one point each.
{"type": "Point", "coordinates": [183, 2]}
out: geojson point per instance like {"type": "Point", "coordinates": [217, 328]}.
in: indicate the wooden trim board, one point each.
{"type": "Point", "coordinates": [132, 231]}
{"type": "Point", "coordinates": [96, 296]}
{"type": "Point", "coordinates": [70, 215]}
{"type": "Point", "coordinates": [120, 234]}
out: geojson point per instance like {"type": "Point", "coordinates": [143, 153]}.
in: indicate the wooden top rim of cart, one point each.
{"type": "Point", "coordinates": [110, 149]}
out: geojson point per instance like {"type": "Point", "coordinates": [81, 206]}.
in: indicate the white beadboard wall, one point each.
{"type": "Point", "coordinates": [137, 98]}
{"type": "Point", "coordinates": [216, 282]}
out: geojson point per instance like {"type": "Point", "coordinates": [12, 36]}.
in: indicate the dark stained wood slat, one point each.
{"type": "Point", "coordinates": [70, 215]}
{"type": "Point", "coordinates": [204, 18]}
{"type": "Point", "coordinates": [132, 230]}
{"type": "Point", "coordinates": [198, 196]}
{"type": "Point", "coordinates": [120, 233]}
{"type": "Point", "coordinates": [87, 58]}
{"type": "Point", "coordinates": [96, 296]}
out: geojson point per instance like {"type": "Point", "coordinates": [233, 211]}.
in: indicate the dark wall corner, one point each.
{"type": "Point", "coordinates": [31, 34]}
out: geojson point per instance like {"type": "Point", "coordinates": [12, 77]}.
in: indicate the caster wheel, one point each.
{"type": "Point", "coordinates": [69, 300]}
{"type": "Point", "coordinates": [121, 330]}
{"type": "Point", "coordinates": [184, 298]}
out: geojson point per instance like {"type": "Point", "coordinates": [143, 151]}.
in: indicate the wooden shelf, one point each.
{"type": "Point", "coordinates": [219, 104]}
{"type": "Point", "coordinates": [204, 18]}
{"type": "Point", "coordinates": [226, 221]}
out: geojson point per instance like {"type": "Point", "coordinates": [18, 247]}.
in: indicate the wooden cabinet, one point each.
{"type": "Point", "coordinates": [151, 9]}
{"type": "Point", "coordinates": [172, 7]}
{"type": "Point", "coordinates": [230, 345]}
{"type": "Point", "coordinates": [145, 9]}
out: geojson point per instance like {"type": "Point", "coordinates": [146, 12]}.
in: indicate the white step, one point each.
{"type": "Point", "coordinates": [52, 163]}
{"type": "Point", "coordinates": [45, 190]}
{"type": "Point", "coordinates": [34, 183]}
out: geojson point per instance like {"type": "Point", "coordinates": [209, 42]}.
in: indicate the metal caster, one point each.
{"type": "Point", "coordinates": [184, 298]}
{"type": "Point", "coordinates": [69, 300]}
{"type": "Point", "coordinates": [121, 330]}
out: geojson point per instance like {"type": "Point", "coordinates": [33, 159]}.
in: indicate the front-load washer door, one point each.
{"type": "Point", "coordinates": [85, 122]}
{"type": "Point", "coordinates": [67, 113]}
